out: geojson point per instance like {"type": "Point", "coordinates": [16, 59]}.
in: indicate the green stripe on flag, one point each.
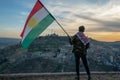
{"type": "Point", "coordinates": [37, 30]}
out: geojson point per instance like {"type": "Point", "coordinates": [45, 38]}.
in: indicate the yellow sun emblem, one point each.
{"type": "Point", "coordinates": [32, 23]}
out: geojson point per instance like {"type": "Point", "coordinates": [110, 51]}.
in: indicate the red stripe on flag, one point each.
{"type": "Point", "coordinates": [37, 7]}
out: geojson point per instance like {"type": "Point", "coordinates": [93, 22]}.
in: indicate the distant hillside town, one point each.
{"type": "Point", "coordinates": [53, 53]}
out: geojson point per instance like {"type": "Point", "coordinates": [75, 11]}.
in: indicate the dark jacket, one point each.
{"type": "Point", "coordinates": [78, 46]}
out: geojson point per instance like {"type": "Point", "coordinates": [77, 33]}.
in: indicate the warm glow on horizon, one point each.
{"type": "Point", "coordinates": [104, 36]}
{"type": "Point", "coordinates": [100, 36]}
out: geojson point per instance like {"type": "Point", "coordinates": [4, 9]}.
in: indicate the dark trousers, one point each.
{"type": "Point", "coordinates": [85, 63]}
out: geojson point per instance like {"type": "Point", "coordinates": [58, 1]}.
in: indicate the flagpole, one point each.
{"type": "Point", "coordinates": [62, 28]}
{"type": "Point", "coordinates": [56, 20]}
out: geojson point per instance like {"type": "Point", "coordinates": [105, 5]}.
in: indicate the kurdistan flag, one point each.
{"type": "Point", "coordinates": [38, 20]}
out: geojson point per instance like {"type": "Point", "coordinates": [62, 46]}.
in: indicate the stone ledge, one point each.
{"type": "Point", "coordinates": [60, 76]}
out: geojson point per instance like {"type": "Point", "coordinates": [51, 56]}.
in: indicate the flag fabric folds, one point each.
{"type": "Point", "coordinates": [83, 38]}
{"type": "Point", "coordinates": [38, 20]}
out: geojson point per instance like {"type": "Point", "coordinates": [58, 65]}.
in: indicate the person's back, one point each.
{"type": "Point", "coordinates": [80, 45]}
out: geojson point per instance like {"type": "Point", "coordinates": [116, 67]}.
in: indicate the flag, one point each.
{"type": "Point", "coordinates": [38, 20]}
{"type": "Point", "coordinates": [82, 37]}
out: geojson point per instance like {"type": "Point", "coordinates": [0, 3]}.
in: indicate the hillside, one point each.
{"type": "Point", "coordinates": [4, 42]}
{"type": "Point", "coordinates": [53, 53]}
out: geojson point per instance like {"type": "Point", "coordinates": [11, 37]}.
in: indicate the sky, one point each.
{"type": "Point", "coordinates": [100, 17]}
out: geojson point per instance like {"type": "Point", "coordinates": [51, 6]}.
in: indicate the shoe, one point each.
{"type": "Point", "coordinates": [77, 78]}
{"type": "Point", "coordinates": [89, 77]}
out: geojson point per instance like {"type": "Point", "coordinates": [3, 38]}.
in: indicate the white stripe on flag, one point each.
{"type": "Point", "coordinates": [40, 15]}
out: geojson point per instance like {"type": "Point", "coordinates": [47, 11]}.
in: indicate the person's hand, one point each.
{"type": "Point", "coordinates": [70, 40]}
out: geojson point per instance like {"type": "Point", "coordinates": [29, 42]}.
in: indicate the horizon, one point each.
{"type": "Point", "coordinates": [59, 36]}
{"type": "Point", "coordinates": [101, 18]}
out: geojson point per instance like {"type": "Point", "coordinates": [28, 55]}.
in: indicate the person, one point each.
{"type": "Point", "coordinates": [80, 45]}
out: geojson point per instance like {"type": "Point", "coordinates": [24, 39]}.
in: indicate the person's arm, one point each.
{"type": "Point", "coordinates": [88, 45]}
{"type": "Point", "coordinates": [71, 39]}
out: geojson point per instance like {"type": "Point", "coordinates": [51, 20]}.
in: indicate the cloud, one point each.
{"type": "Point", "coordinates": [97, 2]}
{"type": "Point", "coordinates": [24, 13]}
{"type": "Point", "coordinates": [104, 25]}
{"type": "Point", "coordinates": [99, 15]}
{"type": "Point", "coordinates": [96, 15]}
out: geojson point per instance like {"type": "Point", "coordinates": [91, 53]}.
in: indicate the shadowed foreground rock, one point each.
{"type": "Point", "coordinates": [60, 76]}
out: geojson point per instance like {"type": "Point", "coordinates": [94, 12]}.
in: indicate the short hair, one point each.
{"type": "Point", "coordinates": [82, 28]}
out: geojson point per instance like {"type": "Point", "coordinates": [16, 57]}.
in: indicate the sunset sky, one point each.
{"type": "Point", "coordinates": [100, 17]}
